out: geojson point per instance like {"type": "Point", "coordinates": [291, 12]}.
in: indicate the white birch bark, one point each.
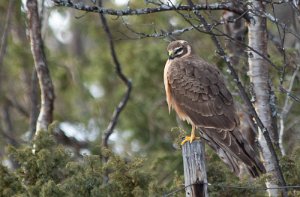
{"type": "Point", "coordinates": [259, 77]}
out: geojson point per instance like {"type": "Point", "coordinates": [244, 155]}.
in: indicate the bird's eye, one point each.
{"type": "Point", "coordinates": [178, 50]}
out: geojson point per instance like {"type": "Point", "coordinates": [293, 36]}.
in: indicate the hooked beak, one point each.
{"type": "Point", "coordinates": [171, 54]}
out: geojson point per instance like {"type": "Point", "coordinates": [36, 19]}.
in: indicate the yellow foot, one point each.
{"type": "Point", "coordinates": [189, 139]}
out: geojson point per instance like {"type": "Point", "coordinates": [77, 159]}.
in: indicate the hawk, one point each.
{"type": "Point", "coordinates": [196, 90]}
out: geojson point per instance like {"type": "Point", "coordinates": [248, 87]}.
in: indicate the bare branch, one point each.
{"type": "Point", "coordinates": [197, 27]}
{"type": "Point", "coordinates": [162, 8]}
{"type": "Point", "coordinates": [14, 103]}
{"type": "Point", "coordinates": [286, 108]}
{"type": "Point", "coordinates": [121, 75]}
{"type": "Point", "coordinates": [162, 34]}
{"type": "Point", "coordinates": [5, 31]}
{"type": "Point", "coordinates": [289, 93]}
{"type": "Point", "coordinates": [276, 21]}
{"type": "Point", "coordinates": [45, 82]}
{"type": "Point", "coordinates": [62, 138]}
{"type": "Point", "coordinates": [3, 41]}
{"type": "Point", "coordinates": [281, 47]}
{"type": "Point", "coordinates": [251, 49]}
{"type": "Point", "coordinates": [7, 125]}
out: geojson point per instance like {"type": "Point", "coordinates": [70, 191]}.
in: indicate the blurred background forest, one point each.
{"type": "Point", "coordinates": [143, 157]}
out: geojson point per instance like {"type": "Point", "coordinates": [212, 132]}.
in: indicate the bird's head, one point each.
{"type": "Point", "coordinates": [179, 48]}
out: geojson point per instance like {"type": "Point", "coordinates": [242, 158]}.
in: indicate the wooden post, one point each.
{"type": "Point", "coordinates": [195, 177]}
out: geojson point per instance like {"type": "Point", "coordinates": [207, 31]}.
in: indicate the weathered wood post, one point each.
{"type": "Point", "coordinates": [195, 177]}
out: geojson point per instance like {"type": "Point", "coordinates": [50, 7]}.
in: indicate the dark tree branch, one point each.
{"type": "Point", "coordinates": [3, 41]}
{"type": "Point", "coordinates": [121, 75]}
{"type": "Point", "coordinates": [285, 110]}
{"type": "Point", "coordinates": [245, 97]}
{"type": "Point", "coordinates": [61, 137]}
{"type": "Point", "coordinates": [7, 132]}
{"type": "Point", "coordinates": [6, 27]}
{"type": "Point", "coordinates": [197, 27]}
{"type": "Point", "coordinates": [12, 102]}
{"type": "Point", "coordinates": [45, 82]}
{"type": "Point", "coordinates": [289, 93]}
{"type": "Point", "coordinates": [251, 49]}
{"type": "Point", "coordinates": [7, 125]}
{"type": "Point", "coordinates": [140, 11]}
{"type": "Point", "coordinates": [276, 21]}
{"type": "Point", "coordinates": [162, 34]}
{"type": "Point", "coordinates": [281, 47]}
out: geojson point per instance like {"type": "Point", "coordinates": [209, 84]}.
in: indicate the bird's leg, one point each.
{"type": "Point", "coordinates": [190, 138]}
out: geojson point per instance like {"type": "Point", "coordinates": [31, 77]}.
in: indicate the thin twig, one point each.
{"type": "Point", "coordinates": [197, 27]}
{"type": "Point", "coordinates": [276, 21]}
{"type": "Point", "coordinates": [290, 94]}
{"type": "Point", "coordinates": [175, 32]}
{"type": "Point", "coordinates": [251, 49]}
{"type": "Point", "coordinates": [177, 190]}
{"type": "Point", "coordinates": [286, 108]}
{"type": "Point", "coordinates": [282, 49]}
{"type": "Point", "coordinates": [14, 103]}
{"type": "Point", "coordinates": [126, 81]}
{"type": "Point", "coordinates": [62, 138]}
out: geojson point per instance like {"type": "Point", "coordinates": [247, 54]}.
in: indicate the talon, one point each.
{"type": "Point", "coordinates": [189, 139]}
{"type": "Point", "coordinates": [192, 138]}
{"type": "Point", "coordinates": [186, 139]}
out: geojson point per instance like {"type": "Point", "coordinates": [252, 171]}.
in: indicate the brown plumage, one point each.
{"type": "Point", "coordinates": [197, 92]}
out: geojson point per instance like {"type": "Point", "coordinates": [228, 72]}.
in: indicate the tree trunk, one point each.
{"type": "Point", "coordinates": [45, 81]}
{"type": "Point", "coordinates": [194, 169]}
{"type": "Point", "coordinates": [259, 77]}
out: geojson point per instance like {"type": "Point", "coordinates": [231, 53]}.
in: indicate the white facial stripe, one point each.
{"type": "Point", "coordinates": [189, 51]}
{"type": "Point", "coordinates": [178, 50]}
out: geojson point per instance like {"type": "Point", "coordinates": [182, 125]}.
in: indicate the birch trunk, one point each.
{"type": "Point", "coordinates": [259, 77]}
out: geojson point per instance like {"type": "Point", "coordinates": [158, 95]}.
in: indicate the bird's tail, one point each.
{"type": "Point", "coordinates": [255, 165]}
{"type": "Point", "coordinates": [231, 148]}
{"type": "Point", "coordinates": [230, 161]}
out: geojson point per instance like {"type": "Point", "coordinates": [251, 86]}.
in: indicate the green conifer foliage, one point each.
{"type": "Point", "coordinates": [51, 170]}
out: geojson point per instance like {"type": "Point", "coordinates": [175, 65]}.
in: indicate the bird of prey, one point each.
{"type": "Point", "coordinates": [196, 90]}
